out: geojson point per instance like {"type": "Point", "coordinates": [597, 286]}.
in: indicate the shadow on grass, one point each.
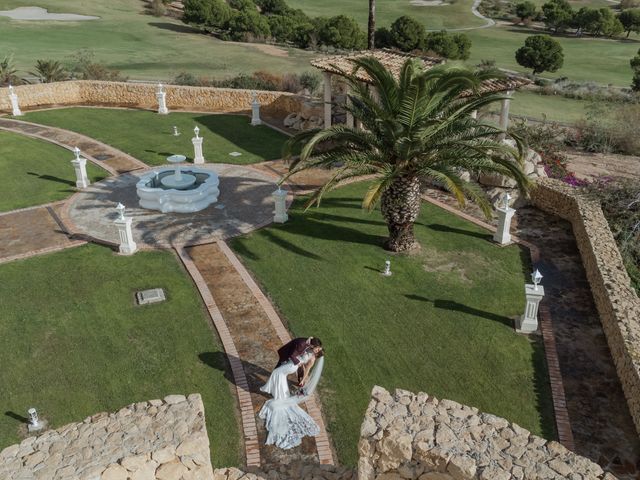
{"type": "Point", "coordinates": [174, 27]}
{"type": "Point", "coordinates": [256, 375]}
{"type": "Point", "coordinates": [17, 417]}
{"type": "Point", "coordinates": [447, 229]}
{"type": "Point", "coordinates": [459, 307]}
{"type": "Point", "coordinates": [542, 389]}
{"type": "Point", "coordinates": [51, 178]}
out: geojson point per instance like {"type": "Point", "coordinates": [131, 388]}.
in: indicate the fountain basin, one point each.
{"type": "Point", "coordinates": [154, 194]}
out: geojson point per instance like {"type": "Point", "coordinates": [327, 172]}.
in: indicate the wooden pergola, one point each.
{"type": "Point", "coordinates": [393, 61]}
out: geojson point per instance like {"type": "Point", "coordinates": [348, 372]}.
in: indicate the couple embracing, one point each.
{"type": "Point", "coordinates": [285, 421]}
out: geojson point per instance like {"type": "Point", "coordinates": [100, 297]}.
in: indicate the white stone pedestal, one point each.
{"type": "Point", "coordinates": [502, 235]}
{"type": "Point", "coordinates": [14, 103]}
{"type": "Point", "coordinates": [255, 112]}
{"type": "Point", "coordinates": [161, 96]}
{"type": "Point", "coordinates": [197, 150]}
{"type": "Point", "coordinates": [80, 165]}
{"type": "Point", "coordinates": [528, 323]}
{"type": "Point", "coordinates": [280, 199]}
{"type": "Point", "coordinates": [127, 245]}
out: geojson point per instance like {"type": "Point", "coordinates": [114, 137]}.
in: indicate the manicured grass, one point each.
{"type": "Point", "coordinates": [149, 136]}
{"type": "Point", "coordinates": [553, 107]}
{"type": "Point", "coordinates": [140, 45]}
{"type": "Point", "coordinates": [72, 343]}
{"type": "Point", "coordinates": [585, 59]}
{"type": "Point", "coordinates": [33, 172]}
{"type": "Point", "coordinates": [440, 324]}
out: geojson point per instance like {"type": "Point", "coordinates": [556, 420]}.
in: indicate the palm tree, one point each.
{"type": "Point", "coordinates": [8, 72]}
{"type": "Point", "coordinates": [415, 127]}
{"type": "Point", "coordinates": [371, 29]}
{"type": "Point", "coordinates": [50, 71]}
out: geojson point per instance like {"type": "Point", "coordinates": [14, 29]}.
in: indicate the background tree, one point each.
{"type": "Point", "coordinates": [207, 13]}
{"type": "Point", "coordinates": [558, 15]}
{"type": "Point", "coordinates": [455, 46]}
{"type": "Point", "coordinates": [526, 10]}
{"type": "Point", "coordinates": [247, 25]}
{"type": "Point", "coordinates": [371, 27]}
{"type": "Point", "coordinates": [49, 71]}
{"type": "Point", "coordinates": [630, 20]}
{"type": "Point", "coordinates": [341, 32]}
{"type": "Point", "coordinates": [635, 66]}
{"type": "Point", "coordinates": [384, 39]}
{"type": "Point", "coordinates": [416, 127]}
{"type": "Point", "coordinates": [407, 33]}
{"type": "Point", "coordinates": [541, 53]}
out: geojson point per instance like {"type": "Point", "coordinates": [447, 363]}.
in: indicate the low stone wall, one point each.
{"type": "Point", "coordinates": [616, 300]}
{"type": "Point", "coordinates": [159, 439]}
{"type": "Point", "coordinates": [143, 95]}
{"type": "Point", "coordinates": [416, 436]}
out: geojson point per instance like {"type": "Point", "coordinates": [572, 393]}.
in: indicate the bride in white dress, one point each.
{"type": "Point", "coordinates": [285, 421]}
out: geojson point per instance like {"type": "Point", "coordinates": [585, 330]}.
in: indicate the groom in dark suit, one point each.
{"type": "Point", "coordinates": [294, 349]}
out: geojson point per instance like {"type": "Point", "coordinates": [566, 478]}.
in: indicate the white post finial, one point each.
{"type": "Point", "coordinates": [35, 424]}
{"type": "Point", "coordinates": [196, 130]}
{"type": "Point", "coordinates": [76, 150]}
{"type": "Point", "coordinates": [505, 200]}
{"type": "Point", "coordinates": [536, 277]}
{"type": "Point", "coordinates": [121, 209]}
{"type": "Point", "coordinates": [387, 268]}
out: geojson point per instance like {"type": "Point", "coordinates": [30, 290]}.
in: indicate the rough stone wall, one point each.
{"type": "Point", "coordinates": [416, 436]}
{"type": "Point", "coordinates": [160, 439]}
{"type": "Point", "coordinates": [143, 95]}
{"type": "Point", "coordinates": [616, 300]}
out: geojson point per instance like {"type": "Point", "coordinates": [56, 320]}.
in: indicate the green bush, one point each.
{"type": "Point", "coordinates": [185, 78]}
{"type": "Point", "coordinates": [340, 32]}
{"type": "Point", "coordinates": [383, 38]}
{"type": "Point", "coordinates": [242, 5]}
{"type": "Point", "coordinates": [455, 46]}
{"type": "Point", "coordinates": [247, 25]}
{"type": "Point", "coordinates": [311, 81]}
{"type": "Point", "coordinates": [207, 13]}
{"type": "Point", "coordinates": [283, 27]}
{"type": "Point", "coordinates": [407, 34]}
{"type": "Point", "coordinates": [273, 7]}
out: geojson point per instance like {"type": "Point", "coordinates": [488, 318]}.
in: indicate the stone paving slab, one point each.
{"type": "Point", "coordinates": [31, 231]}
{"type": "Point", "coordinates": [244, 204]}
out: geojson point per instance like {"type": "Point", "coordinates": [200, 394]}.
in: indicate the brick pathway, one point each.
{"type": "Point", "coordinates": [256, 333]}
{"type": "Point", "coordinates": [32, 231]}
{"type": "Point", "coordinates": [109, 158]}
{"type": "Point", "coordinates": [594, 406]}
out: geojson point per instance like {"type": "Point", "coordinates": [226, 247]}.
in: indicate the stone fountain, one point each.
{"type": "Point", "coordinates": [178, 189]}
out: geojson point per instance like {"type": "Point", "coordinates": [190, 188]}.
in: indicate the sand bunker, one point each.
{"type": "Point", "coordinates": [37, 13]}
{"type": "Point", "coordinates": [426, 3]}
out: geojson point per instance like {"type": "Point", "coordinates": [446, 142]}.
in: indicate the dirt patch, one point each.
{"type": "Point", "coordinates": [591, 165]}
{"type": "Point", "coordinates": [272, 50]}
{"type": "Point", "coordinates": [455, 265]}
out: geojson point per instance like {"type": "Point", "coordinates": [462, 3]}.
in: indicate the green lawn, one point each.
{"type": "Point", "coordinates": [555, 108]}
{"type": "Point", "coordinates": [440, 324]}
{"type": "Point", "coordinates": [585, 59]}
{"type": "Point", "coordinates": [140, 45]}
{"type": "Point", "coordinates": [149, 136]}
{"type": "Point", "coordinates": [72, 343]}
{"type": "Point", "coordinates": [33, 172]}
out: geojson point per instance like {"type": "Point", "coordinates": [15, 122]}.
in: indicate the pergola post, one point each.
{"type": "Point", "coordinates": [504, 113]}
{"type": "Point", "coordinates": [348, 103]}
{"type": "Point", "coordinates": [327, 99]}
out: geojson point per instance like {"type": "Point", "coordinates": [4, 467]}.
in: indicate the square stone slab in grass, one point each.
{"type": "Point", "coordinates": [154, 295]}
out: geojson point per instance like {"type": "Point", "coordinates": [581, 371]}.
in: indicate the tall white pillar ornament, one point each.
{"type": "Point", "coordinates": [505, 214]}
{"type": "Point", "coordinates": [327, 99]}
{"type": "Point", "coordinates": [80, 166]}
{"type": "Point", "coordinates": [197, 147]}
{"type": "Point", "coordinates": [280, 200]}
{"type": "Point", "coordinates": [528, 322]}
{"type": "Point", "coordinates": [255, 110]}
{"type": "Point", "coordinates": [13, 97]}
{"type": "Point", "coordinates": [127, 245]}
{"type": "Point", "coordinates": [161, 96]}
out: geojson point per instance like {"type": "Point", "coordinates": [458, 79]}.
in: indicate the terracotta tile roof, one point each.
{"type": "Point", "coordinates": [393, 61]}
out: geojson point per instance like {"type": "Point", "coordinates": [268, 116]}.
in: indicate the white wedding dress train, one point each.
{"type": "Point", "coordinates": [285, 421]}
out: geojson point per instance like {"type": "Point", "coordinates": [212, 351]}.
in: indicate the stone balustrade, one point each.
{"type": "Point", "coordinates": [143, 95]}
{"type": "Point", "coordinates": [408, 436]}
{"type": "Point", "coordinates": [159, 439]}
{"type": "Point", "coordinates": [616, 300]}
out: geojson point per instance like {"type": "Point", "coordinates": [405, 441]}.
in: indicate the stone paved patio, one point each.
{"type": "Point", "coordinates": [244, 204]}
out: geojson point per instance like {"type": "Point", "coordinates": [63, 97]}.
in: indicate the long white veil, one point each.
{"type": "Point", "coordinates": [309, 388]}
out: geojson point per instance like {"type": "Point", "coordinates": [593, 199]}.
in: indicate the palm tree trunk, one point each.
{"type": "Point", "coordinates": [371, 32]}
{"type": "Point", "coordinates": [400, 206]}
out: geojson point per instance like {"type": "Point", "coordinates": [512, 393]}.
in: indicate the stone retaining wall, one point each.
{"type": "Point", "coordinates": [416, 436]}
{"type": "Point", "coordinates": [616, 300]}
{"type": "Point", "coordinates": [143, 95]}
{"type": "Point", "coordinates": [160, 439]}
